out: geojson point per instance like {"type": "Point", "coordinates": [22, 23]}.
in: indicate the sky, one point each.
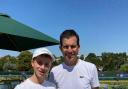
{"type": "Point", "coordinates": [102, 25]}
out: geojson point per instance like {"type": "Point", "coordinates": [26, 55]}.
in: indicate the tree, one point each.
{"type": "Point", "coordinates": [9, 66]}
{"type": "Point", "coordinates": [24, 61]}
{"type": "Point", "coordinates": [82, 57]}
{"type": "Point", "coordinates": [112, 61]}
{"type": "Point", "coordinates": [121, 59]}
{"type": "Point", "coordinates": [107, 59]}
{"type": "Point", "coordinates": [7, 63]}
{"type": "Point", "coordinates": [93, 59]}
{"type": "Point", "coordinates": [124, 68]}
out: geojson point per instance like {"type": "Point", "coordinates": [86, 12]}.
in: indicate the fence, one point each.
{"type": "Point", "coordinates": [113, 80]}
{"type": "Point", "coordinates": [108, 80]}
{"type": "Point", "coordinates": [8, 80]}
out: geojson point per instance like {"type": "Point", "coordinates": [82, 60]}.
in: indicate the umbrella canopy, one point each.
{"type": "Point", "coordinates": [18, 37]}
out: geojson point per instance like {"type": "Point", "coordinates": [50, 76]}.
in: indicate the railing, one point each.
{"type": "Point", "coordinates": [10, 80]}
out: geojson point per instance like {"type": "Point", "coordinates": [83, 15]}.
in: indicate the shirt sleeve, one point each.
{"type": "Point", "coordinates": [95, 80]}
{"type": "Point", "coordinates": [17, 87]}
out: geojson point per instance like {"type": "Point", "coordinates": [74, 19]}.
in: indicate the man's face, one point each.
{"type": "Point", "coordinates": [41, 65]}
{"type": "Point", "coordinates": [70, 50]}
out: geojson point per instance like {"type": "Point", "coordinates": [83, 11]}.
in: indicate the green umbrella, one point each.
{"type": "Point", "coordinates": [18, 37]}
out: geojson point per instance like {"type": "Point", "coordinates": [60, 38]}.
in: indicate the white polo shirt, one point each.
{"type": "Point", "coordinates": [81, 76]}
{"type": "Point", "coordinates": [28, 84]}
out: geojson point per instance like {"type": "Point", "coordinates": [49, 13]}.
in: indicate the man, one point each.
{"type": "Point", "coordinates": [73, 73]}
{"type": "Point", "coordinates": [41, 62]}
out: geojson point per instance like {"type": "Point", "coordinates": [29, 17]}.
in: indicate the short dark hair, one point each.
{"type": "Point", "coordinates": [67, 34]}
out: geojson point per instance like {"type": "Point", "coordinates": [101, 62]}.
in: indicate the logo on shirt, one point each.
{"type": "Point", "coordinates": [81, 76]}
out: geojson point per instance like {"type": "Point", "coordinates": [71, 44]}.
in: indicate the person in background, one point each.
{"type": "Point", "coordinates": [41, 62]}
{"type": "Point", "coordinates": [73, 73]}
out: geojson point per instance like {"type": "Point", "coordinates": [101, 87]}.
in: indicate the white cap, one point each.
{"type": "Point", "coordinates": [41, 51]}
